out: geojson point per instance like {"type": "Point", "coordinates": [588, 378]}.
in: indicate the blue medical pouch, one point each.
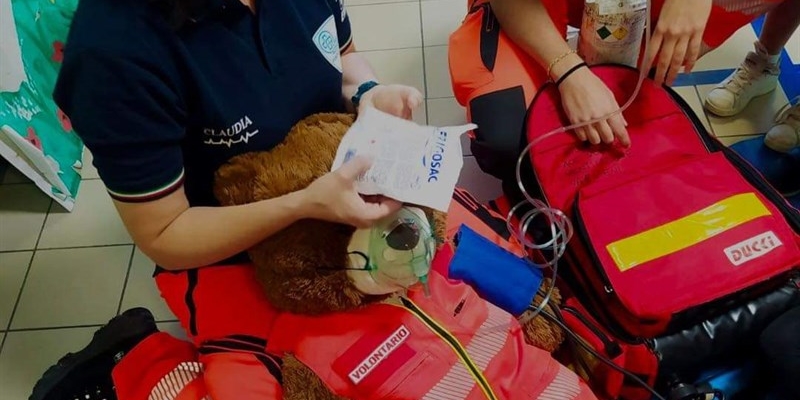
{"type": "Point", "coordinates": [497, 275]}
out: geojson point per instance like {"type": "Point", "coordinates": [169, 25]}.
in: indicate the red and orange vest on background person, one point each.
{"type": "Point", "coordinates": [495, 80]}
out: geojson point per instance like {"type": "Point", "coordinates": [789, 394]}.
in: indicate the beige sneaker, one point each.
{"type": "Point", "coordinates": [756, 76]}
{"type": "Point", "coordinates": [784, 136]}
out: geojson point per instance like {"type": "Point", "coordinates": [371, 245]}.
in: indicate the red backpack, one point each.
{"type": "Point", "coordinates": [672, 235]}
{"type": "Point", "coordinates": [668, 232]}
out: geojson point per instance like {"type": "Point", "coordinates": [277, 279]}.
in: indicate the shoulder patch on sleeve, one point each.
{"type": "Point", "coordinates": [327, 42]}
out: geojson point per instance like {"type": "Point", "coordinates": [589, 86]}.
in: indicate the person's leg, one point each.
{"type": "Point", "coordinates": [161, 367]}
{"type": "Point", "coordinates": [228, 320]}
{"type": "Point", "coordinates": [758, 74]}
{"type": "Point", "coordinates": [164, 368]}
{"type": "Point", "coordinates": [225, 313]}
{"type": "Point", "coordinates": [241, 374]}
{"type": "Point", "coordinates": [780, 343]}
{"type": "Point", "coordinates": [779, 25]}
{"type": "Point", "coordinates": [495, 80]}
{"type": "Point", "coordinates": [127, 359]}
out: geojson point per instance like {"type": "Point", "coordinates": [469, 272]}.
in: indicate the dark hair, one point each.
{"type": "Point", "coordinates": [180, 12]}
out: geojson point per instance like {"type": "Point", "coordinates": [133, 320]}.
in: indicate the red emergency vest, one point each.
{"type": "Point", "coordinates": [453, 345]}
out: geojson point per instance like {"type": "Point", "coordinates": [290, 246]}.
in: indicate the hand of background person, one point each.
{"type": "Point", "coordinates": [398, 100]}
{"type": "Point", "coordinates": [584, 98]}
{"type": "Point", "coordinates": [677, 38]}
{"type": "Point", "coordinates": [333, 197]}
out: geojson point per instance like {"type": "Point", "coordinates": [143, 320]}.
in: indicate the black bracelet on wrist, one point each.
{"type": "Point", "coordinates": [363, 88]}
{"type": "Point", "coordinates": [568, 73]}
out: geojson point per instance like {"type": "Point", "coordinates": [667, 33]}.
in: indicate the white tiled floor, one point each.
{"type": "Point", "coordinates": [64, 274]}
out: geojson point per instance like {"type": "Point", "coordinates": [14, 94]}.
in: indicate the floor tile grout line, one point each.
{"type": "Point", "coordinates": [44, 224]}
{"type": "Point", "coordinates": [441, 98]}
{"type": "Point", "coordinates": [91, 246]}
{"type": "Point", "coordinates": [381, 3]}
{"type": "Point", "coordinates": [32, 183]}
{"type": "Point", "coordinates": [24, 280]}
{"type": "Point", "coordinates": [705, 114]}
{"type": "Point", "coordinates": [127, 277]}
{"type": "Point", "coordinates": [3, 342]}
{"type": "Point", "coordinates": [390, 49]}
{"type": "Point", "coordinates": [19, 293]}
{"type": "Point", "coordinates": [424, 65]}
{"type": "Point", "coordinates": [53, 328]}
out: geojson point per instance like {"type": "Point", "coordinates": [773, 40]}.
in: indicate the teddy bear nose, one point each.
{"type": "Point", "coordinates": [403, 237]}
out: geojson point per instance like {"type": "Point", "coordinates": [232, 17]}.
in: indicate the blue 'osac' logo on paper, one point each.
{"type": "Point", "coordinates": [436, 156]}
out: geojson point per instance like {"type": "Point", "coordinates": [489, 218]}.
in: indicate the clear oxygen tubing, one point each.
{"type": "Point", "coordinates": [560, 226]}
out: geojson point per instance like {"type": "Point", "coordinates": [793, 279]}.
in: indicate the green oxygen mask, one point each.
{"type": "Point", "coordinates": [401, 249]}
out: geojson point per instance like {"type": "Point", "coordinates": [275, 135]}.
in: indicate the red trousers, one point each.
{"type": "Point", "coordinates": [228, 320]}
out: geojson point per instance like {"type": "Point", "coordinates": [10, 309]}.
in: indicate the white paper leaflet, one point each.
{"type": "Point", "coordinates": [411, 163]}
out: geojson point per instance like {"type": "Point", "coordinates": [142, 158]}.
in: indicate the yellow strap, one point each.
{"type": "Point", "coordinates": [686, 231]}
{"type": "Point", "coordinates": [458, 348]}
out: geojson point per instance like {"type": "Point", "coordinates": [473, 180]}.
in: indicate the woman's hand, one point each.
{"type": "Point", "coordinates": [333, 197]}
{"type": "Point", "coordinates": [398, 100]}
{"type": "Point", "coordinates": [584, 98]}
{"type": "Point", "coordinates": [677, 38]}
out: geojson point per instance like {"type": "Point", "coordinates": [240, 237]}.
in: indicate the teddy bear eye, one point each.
{"type": "Point", "coordinates": [404, 236]}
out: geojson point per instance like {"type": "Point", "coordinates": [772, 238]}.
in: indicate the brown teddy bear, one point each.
{"type": "Point", "coordinates": [350, 330]}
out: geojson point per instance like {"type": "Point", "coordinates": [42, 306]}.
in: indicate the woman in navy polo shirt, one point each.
{"type": "Point", "coordinates": [163, 92]}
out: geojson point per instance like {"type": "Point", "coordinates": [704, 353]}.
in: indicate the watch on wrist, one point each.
{"type": "Point", "coordinates": [363, 88]}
